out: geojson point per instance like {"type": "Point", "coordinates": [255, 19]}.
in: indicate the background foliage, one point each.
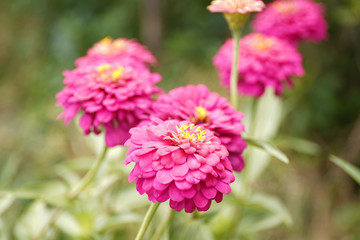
{"type": "Point", "coordinates": [39, 39]}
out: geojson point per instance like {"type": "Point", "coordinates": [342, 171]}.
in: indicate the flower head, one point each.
{"type": "Point", "coordinates": [293, 20]}
{"type": "Point", "coordinates": [112, 50]}
{"type": "Point", "coordinates": [204, 108]}
{"type": "Point", "coordinates": [264, 62]}
{"type": "Point", "coordinates": [179, 161]}
{"type": "Point", "coordinates": [236, 6]}
{"type": "Point", "coordinates": [114, 95]}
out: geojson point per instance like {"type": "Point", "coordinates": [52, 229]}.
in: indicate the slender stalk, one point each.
{"type": "Point", "coordinates": [161, 229]}
{"type": "Point", "coordinates": [81, 186]}
{"type": "Point", "coordinates": [253, 112]}
{"type": "Point", "coordinates": [236, 34]}
{"type": "Point", "coordinates": [149, 215]}
{"type": "Point", "coordinates": [85, 181]}
{"type": "Point", "coordinates": [55, 214]}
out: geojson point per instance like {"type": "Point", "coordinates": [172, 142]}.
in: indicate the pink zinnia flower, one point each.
{"type": "Point", "coordinates": [202, 107]}
{"type": "Point", "coordinates": [293, 20]}
{"type": "Point", "coordinates": [181, 162]}
{"type": "Point", "coordinates": [115, 95]}
{"type": "Point", "coordinates": [236, 6]}
{"type": "Point", "coordinates": [112, 50]}
{"type": "Point", "coordinates": [264, 62]}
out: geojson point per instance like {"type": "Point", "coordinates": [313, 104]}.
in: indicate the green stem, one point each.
{"type": "Point", "coordinates": [85, 181]}
{"type": "Point", "coordinates": [253, 112]}
{"type": "Point", "coordinates": [149, 215]}
{"type": "Point", "coordinates": [236, 34]}
{"type": "Point", "coordinates": [161, 229]}
{"type": "Point", "coordinates": [81, 186]}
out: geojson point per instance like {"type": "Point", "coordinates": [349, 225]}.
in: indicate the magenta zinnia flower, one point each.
{"type": "Point", "coordinates": [181, 162]}
{"type": "Point", "coordinates": [264, 62]}
{"type": "Point", "coordinates": [112, 50]}
{"type": "Point", "coordinates": [293, 20]}
{"type": "Point", "coordinates": [202, 107]}
{"type": "Point", "coordinates": [115, 95]}
{"type": "Point", "coordinates": [236, 6]}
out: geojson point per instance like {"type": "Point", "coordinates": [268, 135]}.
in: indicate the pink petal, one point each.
{"type": "Point", "coordinates": [85, 121]}
{"type": "Point", "coordinates": [178, 206]}
{"type": "Point", "coordinates": [206, 168]}
{"type": "Point", "coordinates": [223, 187]}
{"type": "Point", "coordinates": [178, 156]}
{"type": "Point", "coordinates": [200, 200]}
{"type": "Point", "coordinates": [180, 170]}
{"type": "Point", "coordinates": [193, 162]}
{"type": "Point", "coordinates": [219, 197]}
{"type": "Point", "coordinates": [189, 205]}
{"type": "Point", "coordinates": [191, 179]}
{"type": "Point", "coordinates": [183, 185]}
{"type": "Point", "coordinates": [166, 161]}
{"type": "Point", "coordinates": [189, 193]}
{"type": "Point", "coordinates": [209, 193]}
{"type": "Point", "coordinates": [159, 186]}
{"type": "Point", "coordinates": [135, 173]}
{"type": "Point", "coordinates": [70, 113]}
{"type": "Point", "coordinates": [198, 174]}
{"type": "Point", "coordinates": [175, 193]}
{"type": "Point", "coordinates": [164, 176]}
{"type": "Point", "coordinates": [212, 159]}
{"type": "Point", "coordinates": [164, 195]}
{"type": "Point", "coordinates": [104, 116]}
{"type": "Point", "coordinates": [207, 206]}
{"type": "Point", "coordinates": [148, 184]}
{"type": "Point", "coordinates": [143, 151]}
{"type": "Point", "coordinates": [200, 159]}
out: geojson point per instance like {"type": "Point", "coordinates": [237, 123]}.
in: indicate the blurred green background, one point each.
{"type": "Point", "coordinates": [39, 39]}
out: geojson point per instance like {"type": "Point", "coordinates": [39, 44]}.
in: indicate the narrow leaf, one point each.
{"type": "Point", "coordinates": [350, 169]}
{"type": "Point", "coordinates": [299, 145]}
{"type": "Point", "coordinates": [268, 147]}
{"type": "Point", "coordinates": [5, 203]}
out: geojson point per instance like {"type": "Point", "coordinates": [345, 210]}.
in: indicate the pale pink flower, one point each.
{"type": "Point", "coordinates": [293, 20]}
{"type": "Point", "coordinates": [113, 95]}
{"type": "Point", "coordinates": [181, 162]}
{"type": "Point", "coordinates": [236, 6]}
{"type": "Point", "coordinates": [264, 62]}
{"type": "Point", "coordinates": [112, 50]}
{"type": "Point", "coordinates": [202, 107]}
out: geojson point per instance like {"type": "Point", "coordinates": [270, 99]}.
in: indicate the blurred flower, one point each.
{"type": "Point", "coordinates": [293, 20]}
{"type": "Point", "coordinates": [112, 50]}
{"type": "Point", "coordinates": [115, 95]}
{"type": "Point", "coordinates": [236, 6]}
{"type": "Point", "coordinates": [264, 62]}
{"type": "Point", "coordinates": [236, 11]}
{"type": "Point", "coordinates": [181, 162]}
{"type": "Point", "coordinates": [202, 107]}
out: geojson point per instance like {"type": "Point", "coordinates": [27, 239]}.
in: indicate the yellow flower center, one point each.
{"type": "Point", "coordinates": [108, 73]}
{"type": "Point", "coordinates": [200, 116]}
{"type": "Point", "coordinates": [188, 131]}
{"type": "Point", "coordinates": [262, 43]}
{"type": "Point", "coordinates": [108, 46]}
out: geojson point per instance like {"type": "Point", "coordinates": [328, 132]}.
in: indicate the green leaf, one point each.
{"type": "Point", "coordinates": [268, 147]}
{"type": "Point", "coordinates": [263, 212]}
{"type": "Point", "coordinates": [350, 169]}
{"type": "Point", "coordinates": [4, 230]}
{"type": "Point", "coordinates": [69, 224]}
{"type": "Point", "coordinates": [31, 223]}
{"type": "Point", "coordinates": [9, 170]}
{"type": "Point", "coordinates": [5, 203]}
{"type": "Point", "coordinates": [299, 145]}
{"type": "Point", "coordinates": [119, 221]}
